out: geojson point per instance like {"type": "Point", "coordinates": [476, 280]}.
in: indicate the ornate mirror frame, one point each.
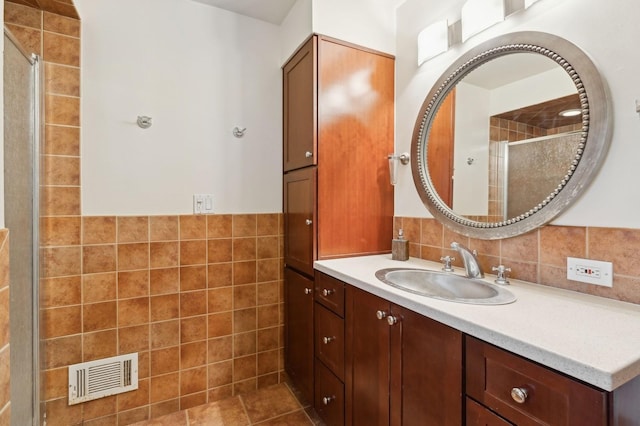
{"type": "Point", "coordinates": [594, 143]}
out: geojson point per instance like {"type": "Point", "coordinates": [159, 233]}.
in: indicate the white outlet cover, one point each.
{"type": "Point", "coordinates": [603, 271]}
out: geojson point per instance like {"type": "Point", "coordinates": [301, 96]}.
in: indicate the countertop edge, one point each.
{"type": "Point", "coordinates": [590, 374]}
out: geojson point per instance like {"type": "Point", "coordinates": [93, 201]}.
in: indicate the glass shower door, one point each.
{"type": "Point", "coordinates": [21, 182]}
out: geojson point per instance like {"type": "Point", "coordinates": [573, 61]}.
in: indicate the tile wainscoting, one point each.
{"type": "Point", "coordinates": [198, 297]}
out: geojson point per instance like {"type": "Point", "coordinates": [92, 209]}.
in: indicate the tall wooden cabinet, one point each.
{"type": "Point", "coordinates": [338, 117]}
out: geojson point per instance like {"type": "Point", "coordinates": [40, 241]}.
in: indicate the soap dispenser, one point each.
{"type": "Point", "coordinates": [400, 247]}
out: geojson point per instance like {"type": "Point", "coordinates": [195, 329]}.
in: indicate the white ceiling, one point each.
{"type": "Point", "coordinates": [273, 11]}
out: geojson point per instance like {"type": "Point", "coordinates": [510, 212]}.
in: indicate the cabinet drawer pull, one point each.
{"type": "Point", "coordinates": [326, 340]}
{"type": "Point", "coordinates": [381, 315]}
{"type": "Point", "coordinates": [327, 399]}
{"type": "Point", "coordinates": [308, 222]}
{"type": "Point", "coordinates": [327, 292]}
{"type": "Point", "coordinates": [307, 290]}
{"type": "Point", "coordinates": [308, 154]}
{"type": "Point", "coordinates": [391, 320]}
{"type": "Point", "coordinates": [519, 395]}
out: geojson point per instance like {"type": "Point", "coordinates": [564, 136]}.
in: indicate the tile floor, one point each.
{"type": "Point", "coordinates": [271, 406]}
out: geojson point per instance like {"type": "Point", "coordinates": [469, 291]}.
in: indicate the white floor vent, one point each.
{"type": "Point", "coordinates": [103, 377]}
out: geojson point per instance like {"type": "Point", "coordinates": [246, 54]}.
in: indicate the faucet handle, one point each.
{"type": "Point", "coordinates": [501, 274]}
{"type": "Point", "coordinates": [446, 260]}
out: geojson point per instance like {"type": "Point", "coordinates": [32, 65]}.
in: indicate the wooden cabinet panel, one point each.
{"type": "Point", "coordinates": [493, 374]}
{"type": "Point", "coordinates": [367, 359]}
{"type": "Point", "coordinates": [426, 378]}
{"type": "Point", "coordinates": [329, 396]}
{"type": "Point", "coordinates": [355, 135]}
{"type": "Point", "coordinates": [477, 415]}
{"type": "Point", "coordinates": [299, 113]}
{"type": "Point", "coordinates": [330, 293]}
{"type": "Point", "coordinates": [440, 149]}
{"type": "Point", "coordinates": [329, 341]}
{"type": "Point", "coordinates": [299, 331]}
{"type": "Point", "coordinates": [299, 219]}
{"type": "Point", "coordinates": [402, 369]}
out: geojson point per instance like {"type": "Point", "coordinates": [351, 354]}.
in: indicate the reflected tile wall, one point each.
{"type": "Point", "coordinates": [539, 256]}
{"type": "Point", "coordinates": [198, 297]}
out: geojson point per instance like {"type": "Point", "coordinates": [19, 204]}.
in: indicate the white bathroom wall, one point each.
{"type": "Point", "coordinates": [369, 23]}
{"type": "Point", "coordinates": [295, 28]}
{"type": "Point", "coordinates": [198, 71]}
{"type": "Point", "coordinates": [608, 34]}
{"type": "Point", "coordinates": [470, 189]}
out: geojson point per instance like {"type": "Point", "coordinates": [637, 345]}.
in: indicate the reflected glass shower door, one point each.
{"type": "Point", "coordinates": [21, 182]}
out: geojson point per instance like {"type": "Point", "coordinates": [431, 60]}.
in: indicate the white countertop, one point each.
{"type": "Point", "coordinates": [594, 339]}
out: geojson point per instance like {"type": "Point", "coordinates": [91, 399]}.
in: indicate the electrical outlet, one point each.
{"type": "Point", "coordinates": [590, 271]}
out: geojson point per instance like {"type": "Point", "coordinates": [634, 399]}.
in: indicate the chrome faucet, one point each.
{"type": "Point", "coordinates": [471, 265]}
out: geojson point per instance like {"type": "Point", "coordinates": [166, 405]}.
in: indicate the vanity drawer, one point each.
{"type": "Point", "coordinates": [329, 332]}
{"type": "Point", "coordinates": [477, 415]}
{"type": "Point", "coordinates": [330, 293]}
{"type": "Point", "coordinates": [498, 379]}
{"type": "Point", "coordinates": [329, 396]}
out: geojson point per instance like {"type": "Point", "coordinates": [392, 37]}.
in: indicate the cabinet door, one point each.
{"type": "Point", "coordinates": [355, 136]}
{"type": "Point", "coordinates": [299, 98]}
{"type": "Point", "coordinates": [299, 219]}
{"type": "Point", "coordinates": [299, 331]}
{"type": "Point", "coordinates": [367, 359]}
{"type": "Point", "coordinates": [426, 371]}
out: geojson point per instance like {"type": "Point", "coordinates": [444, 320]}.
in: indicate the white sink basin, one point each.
{"type": "Point", "coordinates": [440, 285]}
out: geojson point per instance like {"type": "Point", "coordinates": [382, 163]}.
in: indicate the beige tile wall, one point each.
{"type": "Point", "coordinates": [5, 382]}
{"type": "Point", "coordinates": [539, 256]}
{"type": "Point", "coordinates": [198, 297]}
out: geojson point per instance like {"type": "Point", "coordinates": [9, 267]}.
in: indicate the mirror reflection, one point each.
{"type": "Point", "coordinates": [504, 137]}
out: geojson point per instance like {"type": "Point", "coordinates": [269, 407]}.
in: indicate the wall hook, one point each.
{"type": "Point", "coordinates": [144, 122]}
{"type": "Point", "coordinates": [239, 132]}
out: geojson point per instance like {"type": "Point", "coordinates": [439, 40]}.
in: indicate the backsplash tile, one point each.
{"type": "Point", "coordinates": [540, 256]}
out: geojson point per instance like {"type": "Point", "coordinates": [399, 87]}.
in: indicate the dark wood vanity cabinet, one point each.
{"type": "Point", "coordinates": [513, 390]}
{"type": "Point", "coordinates": [401, 367]}
{"type": "Point", "coordinates": [298, 331]}
{"type": "Point", "coordinates": [329, 349]}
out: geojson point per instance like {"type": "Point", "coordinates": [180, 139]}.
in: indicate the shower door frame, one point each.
{"type": "Point", "coordinates": [36, 137]}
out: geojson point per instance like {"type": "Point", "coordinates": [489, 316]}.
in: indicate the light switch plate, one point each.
{"type": "Point", "coordinates": [202, 203]}
{"type": "Point", "coordinates": [590, 271]}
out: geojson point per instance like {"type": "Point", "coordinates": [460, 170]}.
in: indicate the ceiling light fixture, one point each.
{"type": "Point", "coordinates": [570, 112]}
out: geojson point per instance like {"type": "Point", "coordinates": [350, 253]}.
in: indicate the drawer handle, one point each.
{"type": "Point", "coordinates": [381, 315]}
{"type": "Point", "coordinates": [327, 292]}
{"type": "Point", "coordinates": [308, 222]}
{"type": "Point", "coordinates": [308, 154]}
{"type": "Point", "coordinates": [519, 395]}
{"type": "Point", "coordinates": [326, 340]}
{"type": "Point", "coordinates": [327, 399]}
{"type": "Point", "coordinates": [391, 320]}
{"type": "Point", "coordinates": [307, 290]}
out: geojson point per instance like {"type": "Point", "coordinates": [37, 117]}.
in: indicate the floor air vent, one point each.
{"type": "Point", "coordinates": [103, 377]}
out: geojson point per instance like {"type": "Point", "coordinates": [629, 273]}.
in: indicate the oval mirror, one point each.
{"type": "Point", "coordinates": [510, 135]}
